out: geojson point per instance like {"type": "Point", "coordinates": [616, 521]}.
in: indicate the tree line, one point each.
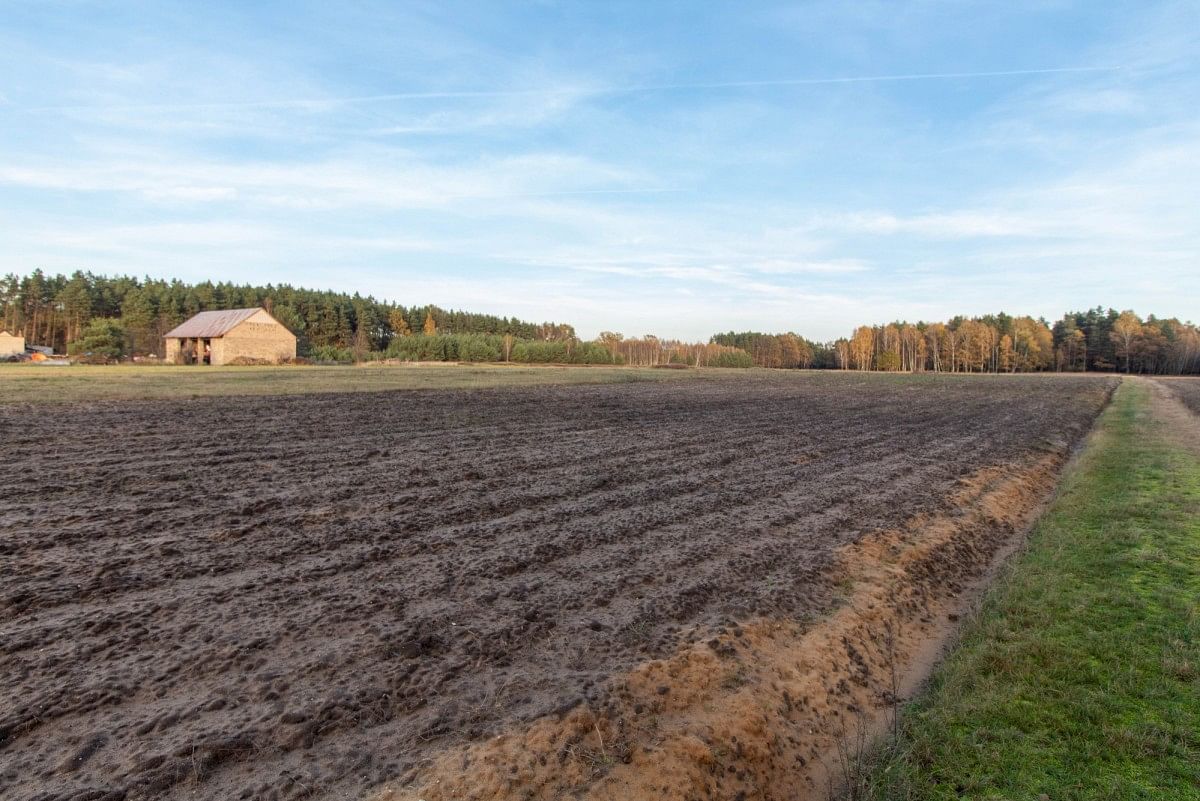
{"type": "Point", "coordinates": [121, 315]}
{"type": "Point", "coordinates": [53, 310]}
{"type": "Point", "coordinates": [1092, 340]}
{"type": "Point", "coordinates": [128, 315]}
{"type": "Point", "coordinates": [1097, 339]}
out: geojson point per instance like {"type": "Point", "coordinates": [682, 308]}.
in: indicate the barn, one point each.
{"type": "Point", "coordinates": [222, 337]}
{"type": "Point", "coordinates": [11, 344]}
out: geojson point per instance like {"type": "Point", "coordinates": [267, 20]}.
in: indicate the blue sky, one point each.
{"type": "Point", "coordinates": [645, 167]}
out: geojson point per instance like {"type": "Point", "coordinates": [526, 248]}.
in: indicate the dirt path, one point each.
{"type": "Point", "coordinates": [1182, 423]}
{"type": "Point", "coordinates": [1185, 388]}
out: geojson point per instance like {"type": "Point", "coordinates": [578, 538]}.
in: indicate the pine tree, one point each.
{"type": "Point", "coordinates": [344, 336]}
{"type": "Point", "coordinates": [362, 332]}
{"type": "Point", "coordinates": [137, 316]}
{"type": "Point", "coordinates": [76, 300]}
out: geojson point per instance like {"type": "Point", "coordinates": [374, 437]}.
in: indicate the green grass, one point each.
{"type": "Point", "coordinates": [40, 384]}
{"type": "Point", "coordinates": [1080, 677]}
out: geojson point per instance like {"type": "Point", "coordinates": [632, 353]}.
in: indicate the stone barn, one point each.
{"type": "Point", "coordinates": [11, 344]}
{"type": "Point", "coordinates": [221, 337]}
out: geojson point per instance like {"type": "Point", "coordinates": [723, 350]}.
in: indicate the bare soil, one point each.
{"type": "Point", "coordinates": [768, 708]}
{"type": "Point", "coordinates": [309, 596]}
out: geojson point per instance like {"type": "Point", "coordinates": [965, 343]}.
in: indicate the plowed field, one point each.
{"type": "Point", "coordinates": [307, 596]}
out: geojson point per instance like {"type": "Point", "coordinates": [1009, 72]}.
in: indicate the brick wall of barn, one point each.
{"type": "Point", "coordinates": [258, 338]}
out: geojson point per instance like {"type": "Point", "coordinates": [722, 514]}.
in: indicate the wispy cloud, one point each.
{"type": "Point", "coordinates": [333, 103]}
{"type": "Point", "coordinates": [353, 181]}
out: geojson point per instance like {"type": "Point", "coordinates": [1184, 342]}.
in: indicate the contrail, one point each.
{"type": "Point", "coordinates": [917, 76]}
{"type": "Point", "coordinates": [320, 103]}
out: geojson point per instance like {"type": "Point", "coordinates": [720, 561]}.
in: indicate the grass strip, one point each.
{"type": "Point", "coordinates": [1080, 676]}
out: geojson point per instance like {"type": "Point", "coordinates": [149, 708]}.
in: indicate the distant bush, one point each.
{"type": "Point", "coordinates": [447, 348]}
{"type": "Point", "coordinates": [330, 353]}
{"type": "Point", "coordinates": [477, 347]}
{"type": "Point", "coordinates": [723, 358]}
{"type": "Point", "coordinates": [593, 353]}
{"type": "Point", "coordinates": [533, 352]}
{"type": "Point", "coordinates": [731, 358]}
{"type": "Point", "coordinates": [417, 348]}
{"type": "Point", "coordinates": [562, 352]}
{"type": "Point", "coordinates": [490, 348]}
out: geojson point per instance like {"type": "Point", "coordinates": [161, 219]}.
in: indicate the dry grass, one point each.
{"type": "Point", "coordinates": [37, 384]}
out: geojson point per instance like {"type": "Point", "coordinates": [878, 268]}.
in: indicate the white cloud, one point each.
{"type": "Point", "coordinates": [378, 177]}
{"type": "Point", "coordinates": [191, 193]}
{"type": "Point", "coordinates": [794, 267]}
{"type": "Point", "coordinates": [942, 225]}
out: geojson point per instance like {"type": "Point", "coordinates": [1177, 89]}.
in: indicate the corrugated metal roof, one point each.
{"type": "Point", "coordinates": [208, 324]}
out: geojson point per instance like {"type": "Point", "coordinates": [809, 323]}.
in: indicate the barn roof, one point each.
{"type": "Point", "coordinates": [208, 324]}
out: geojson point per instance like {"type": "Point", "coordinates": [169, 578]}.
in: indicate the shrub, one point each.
{"type": "Point", "coordinates": [731, 358]}
{"type": "Point", "coordinates": [490, 348]}
{"type": "Point", "coordinates": [592, 353]}
{"type": "Point", "coordinates": [479, 347]}
{"type": "Point", "coordinates": [888, 360]}
{"type": "Point", "coordinates": [539, 352]}
{"type": "Point", "coordinates": [446, 348]}
{"type": "Point", "coordinates": [417, 348]}
{"type": "Point", "coordinates": [102, 340]}
{"type": "Point", "coordinates": [331, 353]}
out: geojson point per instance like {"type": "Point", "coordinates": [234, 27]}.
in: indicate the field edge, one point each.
{"type": "Point", "coordinates": [1079, 676]}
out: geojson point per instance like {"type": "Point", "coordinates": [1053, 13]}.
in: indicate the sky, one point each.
{"type": "Point", "coordinates": [643, 167]}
